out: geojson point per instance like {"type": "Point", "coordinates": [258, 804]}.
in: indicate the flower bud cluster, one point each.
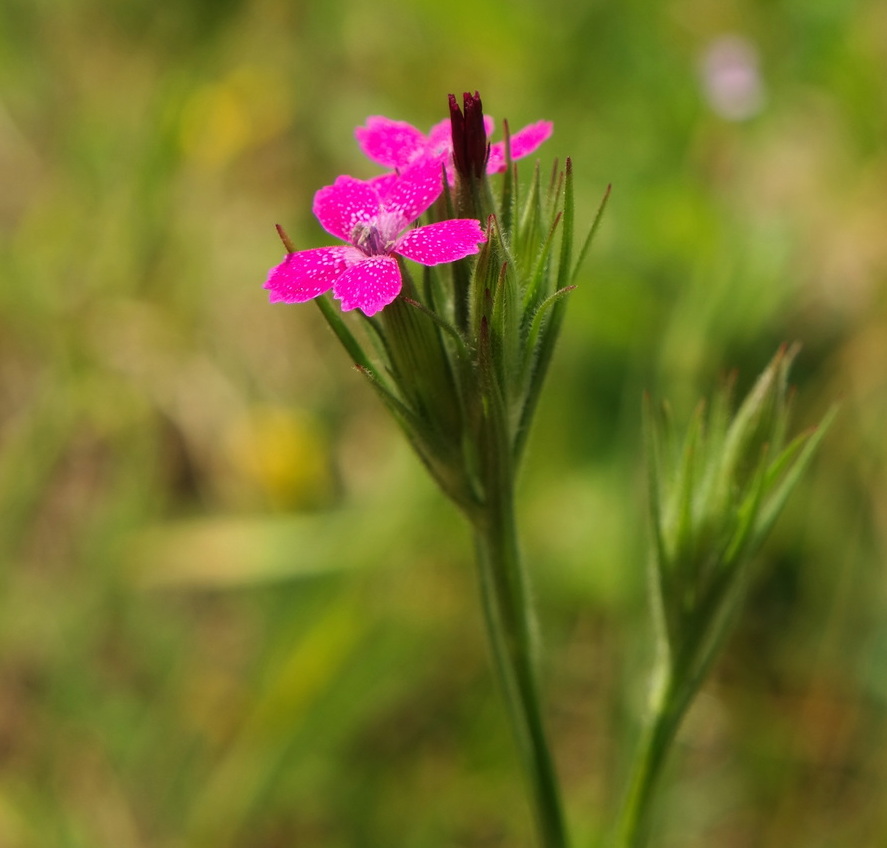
{"type": "Point", "coordinates": [713, 501]}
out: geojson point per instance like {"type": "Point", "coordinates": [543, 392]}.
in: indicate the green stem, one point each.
{"type": "Point", "coordinates": [676, 681]}
{"type": "Point", "coordinates": [658, 735]}
{"type": "Point", "coordinates": [509, 630]}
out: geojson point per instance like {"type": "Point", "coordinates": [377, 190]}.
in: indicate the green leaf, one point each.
{"type": "Point", "coordinates": [563, 271]}
{"type": "Point", "coordinates": [529, 227]}
{"type": "Point", "coordinates": [777, 500]}
{"type": "Point", "coordinates": [535, 289]}
{"type": "Point", "coordinates": [448, 328]}
{"type": "Point", "coordinates": [684, 517]}
{"type": "Point", "coordinates": [746, 517]}
{"type": "Point", "coordinates": [591, 234]}
{"type": "Point", "coordinates": [333, 318]}
{"type": "Point", "coordinates": [660, 569]}
{"type": "Point", "coordinates": [434, 455]}
{"type": "Point", "coordinates": [534, 334]}
{"type": "Point", "coordinates": [555, 306]}
{"type": "Point", "coordinates": [509, 197]}
{"type": "Point", "coordinates": [753, 423]}
{"type": "Point", "coordinates": [496, 418]}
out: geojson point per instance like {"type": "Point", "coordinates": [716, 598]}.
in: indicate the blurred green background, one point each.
{"type": "Point", "coordinates": [233, 611]}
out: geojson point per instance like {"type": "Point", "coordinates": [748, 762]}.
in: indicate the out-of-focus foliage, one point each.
{"type": "Point", "coordinates": [233, 613]}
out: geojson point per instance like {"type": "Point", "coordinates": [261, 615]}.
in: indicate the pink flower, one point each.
{"type": "Point", "coordinates": [372, 218]}
{"type": "Point", "coordinates": [396, 144]}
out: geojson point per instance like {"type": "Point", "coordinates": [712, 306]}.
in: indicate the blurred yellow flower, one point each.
{"type": "Point", "coordinates": [224, 117]}
{"type": "Point", "coordinates": [281, 454]}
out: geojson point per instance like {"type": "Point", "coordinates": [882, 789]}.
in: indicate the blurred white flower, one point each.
{"type": "Point", "coordinates": [731, 79]}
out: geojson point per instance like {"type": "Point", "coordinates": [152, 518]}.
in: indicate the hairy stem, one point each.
{"type": "Point", "coordinates": [507, 615]}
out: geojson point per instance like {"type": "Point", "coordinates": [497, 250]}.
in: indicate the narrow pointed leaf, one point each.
{"type": "Point", "coordinates": [535, 290]}
{"type": "Point", "coordinates": [747, 516]}
{"type": "Point", "coordinates": [414, 429]}
{"type": "Point", "coordinates": [509, 184]}
{"type": "Point", "coordinates": [333, 317]}
{"type": "Point", "coordinates": [448, 328]}
{"type": "Point", "coordinates": [777, 501]}
{"type": "Point", "coordinates": [580, 259]}
{"type": "Point", "coordinates": [660, 568]}
{"type": "Point", "coordinates": [536, 327]}
{"type": "Point", "coordinates": [556, 307]}
{"type": "Point", "coordinates": [563, 271]}
{"type": "Point", "coordinates": [683, 515]}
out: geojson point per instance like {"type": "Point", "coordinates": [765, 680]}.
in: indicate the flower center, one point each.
{"type": "Point", "coordinates": [368, 238]}
{"type": "Point", "coordinates": [377, 236]}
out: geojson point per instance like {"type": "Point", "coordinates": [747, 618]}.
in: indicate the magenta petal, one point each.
{"type": "Point", "coordinates": [390, 143]}
{"type": "Point", "coordinates": [370, 285]}
{"type": "Point", "coordinates": [443, 242]}
{"type": "Point", "coordinates": [308, 273]}
{"type": "Point", "coordinates": [440, 138]}
{"type": "Point", "coordinates": [384, 182]}
{"type": "Point", "coordinates": [344, 204]}
{"type": "Point", "coordinates": [496, 162]}
{"type": "Point", "coordinates": [523, 143]}
{"type": "Point", "coordinates": [418, 187]}
{"type": "Point", "coordinates": [450, 169]}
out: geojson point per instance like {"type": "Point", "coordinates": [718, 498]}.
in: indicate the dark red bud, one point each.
{"type": "Point", "coordinates": [470, 147]}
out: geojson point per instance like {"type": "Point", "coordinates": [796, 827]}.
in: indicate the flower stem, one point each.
{"type": "Point", "coordinates": [507, 616]}
{"type": "Point", "coordinates": [658, 735]}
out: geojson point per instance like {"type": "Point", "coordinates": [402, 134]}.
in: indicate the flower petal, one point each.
{"type": "Point", "coordinates": [523, 142]}
{"type": "Point", "coordinates": [369, 285]}
{"type": "Point", "coordinates": [443, 242]}
{"type": "Point", "coordinates": [440, 138]}
{"type": "Point", "coordinates": [385, 182]}
{"type": "Point", "coordinates": [390, 143]}
{"type": "Point", "coordinates": [308, 273]}
{"type": "Point", "coordinates": [418, 187]}
{"type": "Point", "coordinates": [344, 204]}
